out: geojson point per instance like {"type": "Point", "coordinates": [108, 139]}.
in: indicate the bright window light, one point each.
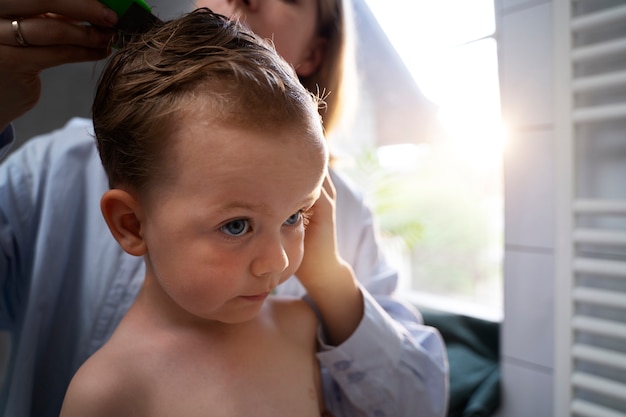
{"type": "Point", "coordinates": [439, 201]}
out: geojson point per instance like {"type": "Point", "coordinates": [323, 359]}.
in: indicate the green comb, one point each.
{"type": "Point", "coordinates": [134, 16]}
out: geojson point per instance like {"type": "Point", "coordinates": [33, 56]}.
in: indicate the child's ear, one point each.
{"type": "Point", "coordinates": [314, 58]}
{"type": "Point", "coordinates": [122, 213]}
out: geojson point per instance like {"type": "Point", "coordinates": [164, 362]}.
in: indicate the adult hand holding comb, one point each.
{"type": "Point", "coordinates": [35, 35]}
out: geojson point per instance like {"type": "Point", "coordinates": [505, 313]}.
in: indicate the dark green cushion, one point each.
{"type": "Point", "coordinates": [473, 347]}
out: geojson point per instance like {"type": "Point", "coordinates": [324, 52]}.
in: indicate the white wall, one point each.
{"type": "Point", "coordinates": [527, 90]}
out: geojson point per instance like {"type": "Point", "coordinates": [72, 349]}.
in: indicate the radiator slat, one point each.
{"type": "Point", "coordinates": [600, 297]}
{"type": "Point", "coordinates": [607, 207]}
{"type": "Point", "coordinates": [587, 409]}
{"type": "Point", "coordinates": [600, 267]}
{"type": "Point", "coordinates": [599, 51]}
{"type": "Point", "coordinates": [599, 82]}
{"type": "Point", "coordinates": [599, 113]}
{"type": "Point", "coordinates": [598, 19]}
{"type": "Point", "coordinates": [600, 356]}
{"type": "Point", "coordinates": [600, 237]}
{"type": "Point", "coordinates": [600, 327]}
{"type": "Point", "coordinates": [598, 384]}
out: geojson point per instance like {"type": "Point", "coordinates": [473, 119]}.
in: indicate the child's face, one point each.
{"type": "Point", "coordinates": [227, 226]}
{"type": "Point", "coordinates": [291, 25]}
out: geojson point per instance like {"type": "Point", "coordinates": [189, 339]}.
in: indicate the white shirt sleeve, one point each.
{"type": "Point", "coordinates": [387, 367]}
{"type": "Point", "coordinates": [392, 365]}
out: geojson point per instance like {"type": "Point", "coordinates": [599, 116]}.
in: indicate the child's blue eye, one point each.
{"type": "Point", "coordinates": [236, 227]}
{"type": "Point", "coordinates": [294, 218]}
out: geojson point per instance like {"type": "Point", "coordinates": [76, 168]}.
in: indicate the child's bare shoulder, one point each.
{"type": "Point", "coordinates": [102, 387]}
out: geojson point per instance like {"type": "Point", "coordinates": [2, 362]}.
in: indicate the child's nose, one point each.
{"type": "Point", "coordinates": [271, 259]}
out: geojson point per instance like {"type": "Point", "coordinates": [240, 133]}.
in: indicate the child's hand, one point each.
{"type": "Point", "coordinates": [328, 279]}
{"type": "Point", "coordinates": [321, 258]}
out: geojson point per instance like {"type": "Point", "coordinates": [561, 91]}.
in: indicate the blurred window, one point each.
{"type": "Point", "coordinates": [426, 144]}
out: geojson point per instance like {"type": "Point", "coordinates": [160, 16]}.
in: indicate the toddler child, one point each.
{"type": "Point", "coordinates": [216, 161]}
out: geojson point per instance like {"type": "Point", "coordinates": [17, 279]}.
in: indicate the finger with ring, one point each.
{"type": "Point", "coordinates": [19, 37]}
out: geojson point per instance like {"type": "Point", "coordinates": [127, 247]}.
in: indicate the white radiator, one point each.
{"type": "Point", "coordinates": [590, 126]}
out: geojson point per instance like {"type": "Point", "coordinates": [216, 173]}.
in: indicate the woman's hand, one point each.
{"type": "Point", "coordinates": [328, 279]}
{"type": "Point", "coordinates": [52, 33]}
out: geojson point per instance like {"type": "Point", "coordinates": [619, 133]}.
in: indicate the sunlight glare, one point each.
{"type": "Point", "coordinates": [456, 191]}
{"type": "Point", "coordinates": [460, 78]}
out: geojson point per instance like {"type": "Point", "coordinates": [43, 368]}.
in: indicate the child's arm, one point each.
{"type": "Point", "coordinates": [378, 365]}
{"type": "Point", "coordinates": [328, 279]}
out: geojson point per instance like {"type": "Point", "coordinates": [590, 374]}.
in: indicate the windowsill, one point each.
{"type": "Point", "coordinates": [452, 305]}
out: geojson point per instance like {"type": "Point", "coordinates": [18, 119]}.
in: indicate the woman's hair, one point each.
{"type": "Point", "coordinates": [336, 77]}
{"type": "Point", "coordinates": [200, 61]}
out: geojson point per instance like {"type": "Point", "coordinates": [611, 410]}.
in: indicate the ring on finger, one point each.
{"type": "Point", "coordinates": [17, 31]}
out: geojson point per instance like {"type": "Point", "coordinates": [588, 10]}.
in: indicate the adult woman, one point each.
{"type": "Point", "coordinates": [53, 239]}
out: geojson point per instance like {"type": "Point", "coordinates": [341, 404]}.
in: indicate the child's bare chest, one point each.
{"type": "Point", "coordinates": [269, 375]}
